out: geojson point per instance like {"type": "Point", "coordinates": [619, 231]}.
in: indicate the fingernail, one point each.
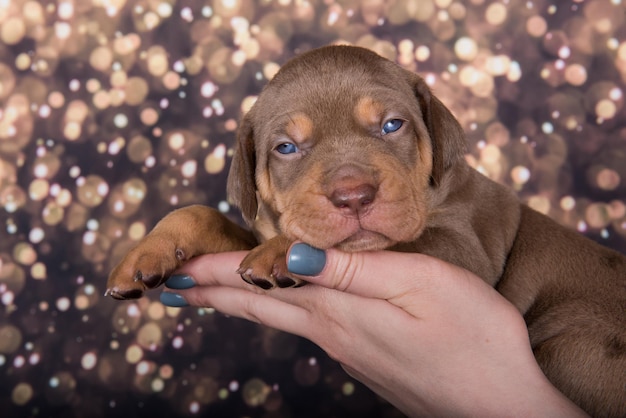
{"type": "Point", "coordinates": [306, 260]}
{"type": "Point", "coordinates": [173, 299]}
{"type": "Point", "coordinates": [180, 281]}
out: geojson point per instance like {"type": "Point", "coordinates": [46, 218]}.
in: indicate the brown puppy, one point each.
{"type": "Point", "coordinates": [346, 149]}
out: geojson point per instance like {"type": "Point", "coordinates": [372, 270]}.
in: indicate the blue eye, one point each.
{"type": "Point", "coordinates": [287, 148]}
{"type": "Point", "coordinates": [392, 125]}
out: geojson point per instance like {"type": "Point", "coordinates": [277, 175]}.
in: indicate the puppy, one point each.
{"type": "Point", "coordinates": [346, 149]}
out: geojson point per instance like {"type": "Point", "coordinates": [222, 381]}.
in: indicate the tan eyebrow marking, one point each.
{"type": "Point", "coordinates": [368, 111]}
{"type": "Point", "coordinates": [299, 127]}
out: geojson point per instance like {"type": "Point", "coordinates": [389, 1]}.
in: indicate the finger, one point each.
{"type": "Point", "coordinates": [215, 269]}
{"type": "Point", "coordinates": [256, 307]}
{"type": "Point", "coordinates": [216, 284]}
{"type": "Point", "coordinates": [219, 270]}
{"type": "Point", "coordinates": [382, 274]}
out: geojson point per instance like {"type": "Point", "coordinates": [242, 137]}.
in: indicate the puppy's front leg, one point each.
{"type": "Point", "coordinates": [181, 235]}
{"type": "Point", "coordinates": [266, 266]}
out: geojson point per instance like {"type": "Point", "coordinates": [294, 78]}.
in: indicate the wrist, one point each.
{"type": "Point", "coordinates": [531, 395]}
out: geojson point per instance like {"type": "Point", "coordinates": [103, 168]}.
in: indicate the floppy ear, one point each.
{"type": "Point", "coordinates": [447, 136]}
{"type": "Point", "coordinates": [241, 185]}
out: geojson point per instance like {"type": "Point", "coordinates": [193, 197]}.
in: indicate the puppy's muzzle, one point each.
{"type": "Point", "coordinates": [352, 190]}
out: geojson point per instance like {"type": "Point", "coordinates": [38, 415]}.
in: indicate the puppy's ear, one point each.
{"type": "Point", "coordinates": [447, 136]}
{"type": "Point", "coordinates": [241, 185]}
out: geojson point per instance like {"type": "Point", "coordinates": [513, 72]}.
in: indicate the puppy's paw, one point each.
{"type": "Point", "coordinates": [146, 266]}
{"type": "Point", "coordinates": [265, 266]}
{"type": "Point", "coordinates": [181, 235]}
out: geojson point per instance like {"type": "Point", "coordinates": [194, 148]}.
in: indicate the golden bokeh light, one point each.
{"type": "Point", "coordinates": [115, 112]}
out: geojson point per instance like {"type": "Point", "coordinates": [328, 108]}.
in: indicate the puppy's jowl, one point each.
{"type": "Point", "coordinates": [346, 149]}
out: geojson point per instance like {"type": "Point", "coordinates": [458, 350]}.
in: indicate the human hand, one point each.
{"type": "Point", "coordinates": [431, 338]}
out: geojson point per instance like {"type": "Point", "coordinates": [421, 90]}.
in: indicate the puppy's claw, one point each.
{"type": "Point", "coordinates": [262, 283]}
{"type": "Point", "coordinates": [283, 282]}
{"type": "Point", "coordinates": [276, 278]}
{"type": "Point", "coordinates": [152, 280]}
{"type": "Point", "coordinates": [247, 274]}
{"type": "Point", "coordinates": [244, 270]}
{"type": "Point", "coordinates": [149, 280]}
{"type": "Point", "coordinates": [119, 294]}
{"type": "Point", "coordinates": [280, 278]}
{"type": "Point", "coordinates": [249, 277]}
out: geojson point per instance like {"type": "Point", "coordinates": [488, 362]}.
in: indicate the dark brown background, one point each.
{"type": "Point", "coordinates": [112, 113]}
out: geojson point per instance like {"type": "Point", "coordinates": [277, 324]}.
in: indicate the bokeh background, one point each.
{"type": "Point", "coordinates": [115, 112]}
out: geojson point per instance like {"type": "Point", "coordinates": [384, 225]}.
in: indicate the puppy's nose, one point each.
{"type": "Point", "coordinates": [354, 199]}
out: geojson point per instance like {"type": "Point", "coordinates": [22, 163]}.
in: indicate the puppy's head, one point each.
{"type": "Point", "coordinates": [343, 148]}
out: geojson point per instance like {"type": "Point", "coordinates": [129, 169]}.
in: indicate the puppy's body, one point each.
{"type": "Point", "coordinates": [345, 149]}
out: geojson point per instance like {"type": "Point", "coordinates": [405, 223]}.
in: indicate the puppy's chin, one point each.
{"type": "Point", "coordinates": [365, 241]}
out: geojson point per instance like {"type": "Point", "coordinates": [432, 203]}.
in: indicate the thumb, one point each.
{"type": "Point", "coordinates": [380, 274]}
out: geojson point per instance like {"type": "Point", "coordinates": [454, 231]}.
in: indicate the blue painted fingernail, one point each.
{"type": "Point", "coordinates": [173, 299]}
{"type": "Point", "coordinates": [180, 281]}
{"type": "Point", "coordinates": [306, 260]}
